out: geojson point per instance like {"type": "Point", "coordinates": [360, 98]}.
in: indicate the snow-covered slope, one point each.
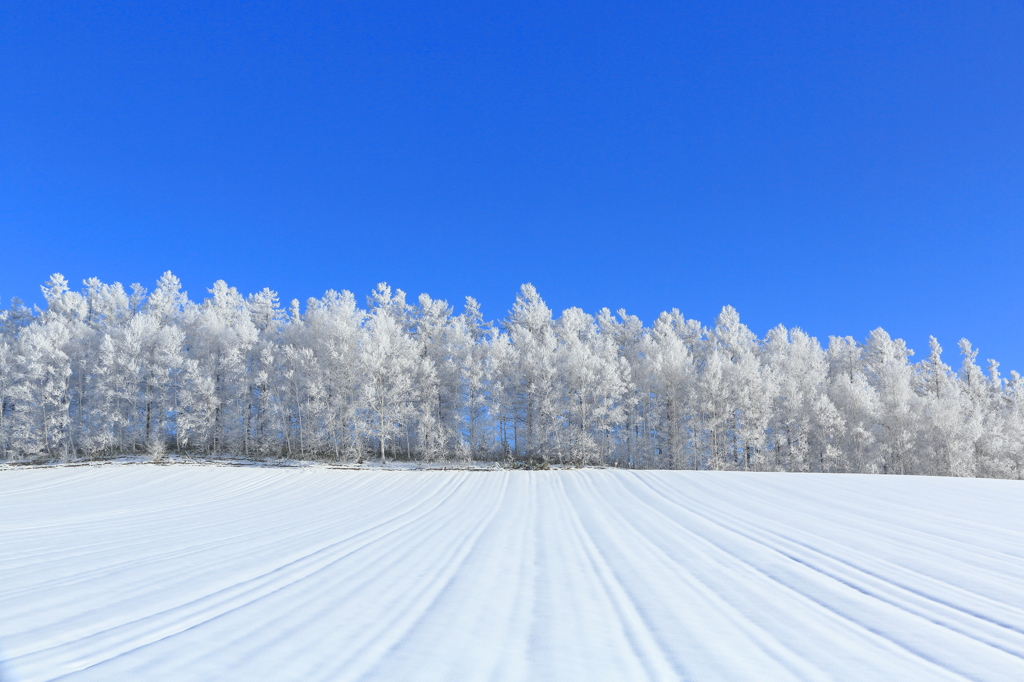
{"type": "Point", "coordinates": [219, 573]}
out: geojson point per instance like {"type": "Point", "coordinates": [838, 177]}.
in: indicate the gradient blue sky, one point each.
{"type": "Point", "coordinates": [836, 166]}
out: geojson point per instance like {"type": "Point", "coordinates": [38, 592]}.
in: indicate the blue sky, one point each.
{"type": "Point", "coordinates": [835, 166]}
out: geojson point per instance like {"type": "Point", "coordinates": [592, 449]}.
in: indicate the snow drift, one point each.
{"type": "Point", "coordinates": [227, 573]}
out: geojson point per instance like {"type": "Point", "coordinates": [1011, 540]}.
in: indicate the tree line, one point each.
{"type": "Point", "coordinates": [104, 372]}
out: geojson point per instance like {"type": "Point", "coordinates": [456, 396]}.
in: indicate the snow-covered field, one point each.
{"type": "Point", "coordinates": [140, 572]}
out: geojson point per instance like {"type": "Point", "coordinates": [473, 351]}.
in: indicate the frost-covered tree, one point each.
{"type": "Point", "coordinates": [671, 375]}
{"type": "Point", "coordinates": [805, 425]}
{"type": "Point", "coordinates": [536, 427]}
{"type": "Point", "coordinates": [336, 337]}
{"type": "Point", "coordinates": [389, 364]}
{"type": "Point", "coordinates": [591, 381]}
{"type": "Point", "coordinates": [111, 370]}
{"type": "Point", "coordinates": [890, 374]}
{"type": "Point", "coordinates": [219, 333]}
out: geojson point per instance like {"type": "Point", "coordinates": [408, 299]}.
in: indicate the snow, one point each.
{"type": "Point", "coordinates": [142, 572]}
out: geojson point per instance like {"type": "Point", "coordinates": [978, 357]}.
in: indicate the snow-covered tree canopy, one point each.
{"type": "Point", "coordinates": [106, 371]}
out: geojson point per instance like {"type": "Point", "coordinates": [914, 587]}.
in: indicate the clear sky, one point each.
{"type": "Point", "coordinates": [836, 166]}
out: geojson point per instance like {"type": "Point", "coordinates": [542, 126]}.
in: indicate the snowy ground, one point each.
{"type": "Point", "coordinates": [141, 572]}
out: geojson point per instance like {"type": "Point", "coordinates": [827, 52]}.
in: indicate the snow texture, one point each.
{"type": "Point", "coordinates": [140, 572]}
